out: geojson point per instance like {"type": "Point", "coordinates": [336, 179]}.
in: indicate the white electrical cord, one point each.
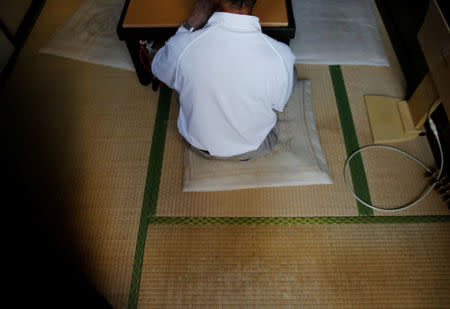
{"type": "Point", "coordinates": [424, 193]}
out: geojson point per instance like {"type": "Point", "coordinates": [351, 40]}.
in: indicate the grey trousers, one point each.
{"type": "Point", "coordinates": [265, 148]}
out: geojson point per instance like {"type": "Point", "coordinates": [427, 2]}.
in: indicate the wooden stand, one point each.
{"type": "Point", "coordinates": [396, 120]}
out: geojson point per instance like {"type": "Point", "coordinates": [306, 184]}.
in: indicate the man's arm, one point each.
{"type": "Point", "coordinates": [203, 9]}
{"type": "Point", "coordinates": [164, 65]}
{"type": "Point", "coordinates": [291, 75]}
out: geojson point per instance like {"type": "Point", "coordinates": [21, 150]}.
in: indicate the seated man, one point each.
{"type": "Point", "coordinates": [230, 78]}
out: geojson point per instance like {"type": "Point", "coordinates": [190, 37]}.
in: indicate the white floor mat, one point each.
{"type": "Point", "coordinates": [297, 159]}
{"type": "Point", "coordinates": [90, 35]}
{"type": "Point", "coordinates": [328, 32]}
{"type": "Point", "coordinates": [337, 32]}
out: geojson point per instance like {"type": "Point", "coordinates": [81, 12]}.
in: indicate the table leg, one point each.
{"type": "Point", "coordinates": [145, 77]}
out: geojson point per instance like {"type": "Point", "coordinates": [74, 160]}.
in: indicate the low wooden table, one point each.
{"type": "Point", "coordinates": [159, 20]}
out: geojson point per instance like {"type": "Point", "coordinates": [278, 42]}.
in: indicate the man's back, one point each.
{"type": "Point", "coordinates": [229, 77]}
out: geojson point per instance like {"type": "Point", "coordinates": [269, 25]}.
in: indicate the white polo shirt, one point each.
{"type": "Point", "coordinates": [230, 78]}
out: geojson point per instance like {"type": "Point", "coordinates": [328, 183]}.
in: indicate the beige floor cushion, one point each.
{"type": "Point", "coordinates": [296, 160]}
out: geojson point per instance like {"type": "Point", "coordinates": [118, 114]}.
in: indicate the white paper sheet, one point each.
{"type": "Point", "coordinates": [90, 35]}
{"type": "Point", "coordinates": [328, 32]}
{"type": "Point", "coordinates": [337, 32]}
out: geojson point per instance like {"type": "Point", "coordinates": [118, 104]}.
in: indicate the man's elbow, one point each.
{"type": "Point", "coordinates": [155, 68]}
{"type": "Point", "coordinates": [157, 71]}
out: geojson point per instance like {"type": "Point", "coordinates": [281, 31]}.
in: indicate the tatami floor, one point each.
{"type": "Point", "coordinates": [90, 128]}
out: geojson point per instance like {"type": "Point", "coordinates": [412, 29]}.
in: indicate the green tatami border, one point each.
{"type": "Point", "coordinates": [296, 220]}
{"type": "Point", "coordinates": [150, 191]}
{"type": "Point", "coordinates": [357, 170]}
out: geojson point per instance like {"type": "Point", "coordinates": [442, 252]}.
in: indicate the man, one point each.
{"type": "Point", "coordinates": [230, 77]}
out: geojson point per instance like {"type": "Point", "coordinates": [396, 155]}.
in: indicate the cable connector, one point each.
{"type": "Point", "coordinates": [431, 176]}
{"type": "Point", "coordinates": [433, 127]}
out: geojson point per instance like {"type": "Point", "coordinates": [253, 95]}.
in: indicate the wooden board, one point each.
{"type": "Point", "coordinates": [434, 38]}
{"type": "Point", "coordinates": [171, 13]}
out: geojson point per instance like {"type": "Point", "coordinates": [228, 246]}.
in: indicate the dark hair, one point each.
{"type": "Point", "coordinates": [242, 3]}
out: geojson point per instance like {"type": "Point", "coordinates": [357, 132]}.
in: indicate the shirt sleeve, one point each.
{"type": "Point", "coordinates": [164, 65]}
{"type": "Point", "coordinates": [288, 60]}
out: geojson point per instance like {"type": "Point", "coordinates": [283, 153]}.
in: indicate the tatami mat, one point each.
{"type": "Point", "coordinates": [94, 124]}
{"type": "Point", "coordinates": [363, 266]}
{"type": "Point", "coordinates": [393, 181]}
{"type": "Point", "coordinates": [321, 200]}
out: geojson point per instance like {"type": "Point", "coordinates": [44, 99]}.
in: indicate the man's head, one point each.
{"type": "Point", "coordinates": [246, 5]}
{"type": "Point", "coordinates": [242, 3]}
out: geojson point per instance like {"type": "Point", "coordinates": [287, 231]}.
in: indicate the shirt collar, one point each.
{"type": "Point", "coordinates": [231, 20]}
